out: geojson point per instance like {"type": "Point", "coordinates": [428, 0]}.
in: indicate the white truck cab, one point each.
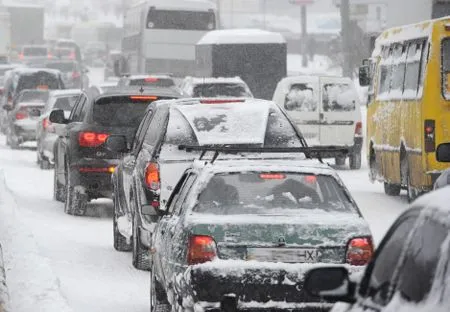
{"type": "Point", "coordinates": [326, 110]}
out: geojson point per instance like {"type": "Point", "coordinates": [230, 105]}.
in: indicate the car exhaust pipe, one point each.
{"type": "Point", "coordinates": [229, 303]}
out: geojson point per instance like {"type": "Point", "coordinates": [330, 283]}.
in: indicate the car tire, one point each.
{"type": "Point", "coordinates": [120, 241]}
{"type": "Point", "coordinates": [141, 255]}
{"type": "Point", "coordinates": [76, 202]}
{"type": "Point", "coordinates": [339, 161]}
{"type": "Point", "coordinates": [59, 193]}
{"type": "Point", "coordinates": [355, 161]}
{"type": "Point", "coordinates": [391, 189]}
{"type": "Point", "coordinates": [158, 297]}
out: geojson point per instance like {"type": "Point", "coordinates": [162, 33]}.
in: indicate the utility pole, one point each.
{"type": "Point", "coordinates": [346, 42]}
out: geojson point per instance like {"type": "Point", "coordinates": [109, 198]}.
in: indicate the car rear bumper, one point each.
{"type": "Point", "coordinates": [351, 149]}
{"type": "Point", "coordinates": [88, 174]}
{"type": "Point", "coordinates": [24, 133]}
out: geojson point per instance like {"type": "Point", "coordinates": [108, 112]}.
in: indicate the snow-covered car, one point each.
{"type": "Point", "coordinates": [22, 123]}
{"type": "Point", "coordinates": [46, 132]}
{"type": "Point", "coordinates": [215, 87]}
{"type": "Point", "coordinates": [241, 234]}
{"type": "Point", "coordinates": [327, 111]}
{"type": "Point", "coordinates": [145, 178]}
{"type": "Point", "coordinates": [154, 81]}
{"type": "Point", "coordinates": [443, 155]}
{"type": "Point", "coordinates": [409, 271]}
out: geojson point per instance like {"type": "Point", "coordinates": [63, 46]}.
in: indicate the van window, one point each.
{"type": "Point", "coordinates": [385, 72]}
{"type": "Point", "coordinates": [338, 97]}
{"type": "Point", "coordinates": [412, 78]}
{"type": "Point", "coordinates": [446, 68]}
{"type": "Point", "coordinates": [398, 71]}
{"type": "Point", "coordinates": [301, 97]}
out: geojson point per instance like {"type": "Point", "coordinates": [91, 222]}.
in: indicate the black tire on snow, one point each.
{"type": "Point", "coordinates": [76, 202]}
{"type": "Point", "coordinates": [355, 161]}
{"type": "Point", "coordinates": [141, 255]}
{"type": "Point", "coordinates": [392, 189]}
{"type": "Point", "coordinates": [158, 297]}
{"type": "Point", "coordinates": [59, 192]}
{"type": "Point", "coordinates": [120, 242]}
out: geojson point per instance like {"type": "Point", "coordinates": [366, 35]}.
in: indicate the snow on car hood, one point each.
{"type": "Point", "coordinates": [227, 123]}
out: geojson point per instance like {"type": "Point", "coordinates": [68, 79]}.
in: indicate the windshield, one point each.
{"type": "Point", "coordinates": [35, 51]}
{"type": "Point", "coordinates": [120, 111]}
{"type": "Point", "coordinates": [271, 194]}
{"type": "Point", "coordinates": [63, 66]}
{"type": "Point", "coordinates": [220, 90]}
{"type": "Point", "coordinates": [183, 20]}
{"type": "Point", "coordinates": [446, 68]}
{"type": "Point", "coordinates": [339, 97]}
{"type": "Point", "coordinates": [65, 103]}
{"type": "Point", "coordinates": [33, 96]}
{"type": "Point", "coordinates": [154, 82]}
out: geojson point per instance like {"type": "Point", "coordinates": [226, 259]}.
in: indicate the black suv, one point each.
{"type": "Point", "coordinates": [146, 177]}
{"type": "Point", "coordinates": [409, 271]}
{"type": "Point", "coordinates": [83, 165]}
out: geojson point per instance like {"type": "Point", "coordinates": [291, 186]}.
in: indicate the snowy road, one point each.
{"type": "Point", "coordinates": [57, 262]}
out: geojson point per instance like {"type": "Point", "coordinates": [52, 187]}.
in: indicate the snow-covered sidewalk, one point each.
{"type": "Point", "coordinates": [26, 269]}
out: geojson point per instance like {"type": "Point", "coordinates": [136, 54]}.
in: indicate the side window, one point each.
{"type": "Point", "coordinates": [412, 76]}
{"type": "Point", "coordinates": [178, 204]}
{"type": "Point", "coordinates": [75, 113]}
{"type": "Point", "coordinates": [385, 72]}
{"type": "Point", "coordinates": [301, 97]}
{"type": "Point", "coordinates": [423, 66]}
{"type": "Point", "coordinates": [280, 132]}
{"type": "Point", "coordinates": [338, 97]}
{"type": "Point", "coordinates": [156, 127]}
{"type": "Point", "coordinates": [398, 71]}
{"type": "Point", "coordinates": [422, 257]}
{"type": "Point", "coordinates": [140, 133]}
{"type": "Point", "coordinates": [386, 263]}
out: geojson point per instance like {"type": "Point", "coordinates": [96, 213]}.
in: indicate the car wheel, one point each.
{"type": "Point", "coordinates": [141, 255]}
{"type": "Point", "coordinates": [339, 161]}
{"type": "Point", "coordinates": [76, 201]}
{"type": "Point", "coordinates": [58, 189]}
{"type": "Point", "coordinates": [355, 161]}
{"type": "Point", "coordinates": [392, 189]}
{"type": "Point", "coordinates": [120, 241]}
{"type": "Point", "coordinates": [158, 297]}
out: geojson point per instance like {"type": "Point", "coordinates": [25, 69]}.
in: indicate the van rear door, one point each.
{"type": "Point", "coordinates": [339, 111]}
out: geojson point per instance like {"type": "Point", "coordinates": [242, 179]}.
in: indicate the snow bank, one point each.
{"type": "Point", "coordinates": [31, 281]}
{"type": "Point", "coordinates": [241, 36]}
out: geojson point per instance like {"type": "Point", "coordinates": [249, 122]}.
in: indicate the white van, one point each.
{"type": "Point", "coordinates": [327, 111]}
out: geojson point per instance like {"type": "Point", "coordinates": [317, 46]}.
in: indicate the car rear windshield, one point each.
{"type": "Point", "coordinates": [339, 97]}
{"type": "Point", "coordinates": [301, 97]}
{"type": "Point", "coordinates": [62, 66]}
{"type": "Point", "coordinates": [220, 90]}
{"type": "Point", "coordinates": [154, 82]}
{"type": "Point", "coordinates": [35, 51]}
{"type": "Point", "coordinates": [39, 80]}
{"type": "Point", "coordinates": [271, 193]}
{"type": "Point", "coordinates": [121, 111]}
{"type": "Point", "coordinates": [65, 103]}
{"type": "Point", "coordinates": [33, 96]}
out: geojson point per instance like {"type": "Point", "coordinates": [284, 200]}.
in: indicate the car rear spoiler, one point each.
{"type": "Point", "coordinates": [310, 152]}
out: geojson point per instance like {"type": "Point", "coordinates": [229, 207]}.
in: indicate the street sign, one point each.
{"type": "Point", "coordinates": [301, 2]}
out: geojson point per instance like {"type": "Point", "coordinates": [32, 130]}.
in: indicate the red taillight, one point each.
{"type": "Point", "coordinates": [46, 123]}
{"type": "Point", "coordinates": [143, 98]}
{"type": "Point", "coordinates": [92, 139]}
{"type": "Point", "coordinates": [152, 176]}
{"type": "Point", "coordinates": [430, 136]}
{"type": "Point", "coordinates": [151, 79]}
{"type": "Point", "coordinates": [21, 115]}
{"type": "Point", "coordinates": [358, 129]}
{"type": "Point", "coordinates": [110, 169]}
{"type": "Point", "coordinates": [213, 101]}
{"type": "Point", "coordinates": [359, 251]}
{"type": "Point", "coordinates": [311, 179]}
{"type": "Point", "coordinates": [201, 249]}
{"type": "Point", "coordinates": [21, 56]}
{"type": "Point", "coordinates": [76, 75]}
{"type": "Point", "coordinates": [272, 176]}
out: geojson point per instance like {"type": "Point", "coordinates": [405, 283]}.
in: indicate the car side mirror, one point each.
{"type": "Point", "coordinates": [57, 117]}
{"type": "Point", "coordinates": [364, 76]}
{"type": "Point", "coordinates": [443, 152]}
{"type": "Point", "coordinates": [330, 283]}
{"type": "Point", "coordinates": [117, 143]}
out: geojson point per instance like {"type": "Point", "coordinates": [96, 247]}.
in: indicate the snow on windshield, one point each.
{"type": "Point", "coordinates": [339, 97]}
{"type": "Point", "coordinates": [302, 98]}
{"type": "Point", "coordinates": [235, 123]}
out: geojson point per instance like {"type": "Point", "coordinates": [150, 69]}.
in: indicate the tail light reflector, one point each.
{"type": "Point", "coordinates": [152, 176]}
{"type": "Point", "coordinates": [201, 249]}
{"type": "Point", "coordinates": [91, 139]}
{"type": "Point", "coordinates": [21, 115]}
{"type": "Point", "coordinates": [358, 129]}
{"type": "Point", "coordinates": [359, 251]}
{"type": "Point", "coordinates": [430, 135]}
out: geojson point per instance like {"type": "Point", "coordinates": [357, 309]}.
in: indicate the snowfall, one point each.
{"type": "Point", "coordinates": [56, 262]}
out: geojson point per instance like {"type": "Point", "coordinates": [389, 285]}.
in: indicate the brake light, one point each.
{"type": "Point", "coordinates": [152, 176]}
{"type": "Point", "coordinates": [143, 98]}
{"type": "Point", "coordinates": [430, 136]}
{"type": "Point", "coordinates": [46, 123]}
{"type": "Point", "coordinates": [214, 101]}
{"type": "Point", "coordinates": [91, 139]}
{"type": "Point", "coordinates": [151, 79]}
{"type": "Point", "coordinates": [272, 176]}
{"type": "Point", "coordinates": [21, 115]}
{"type": "Point", "coordinates": [311, 179]}
{"type": "Point", "coordinates": [49, 56]}
{"type": "Point", "coordinates": [110, 169]}
{"type": "Point", "coordinates": [21, 56]}
{"type": "Point", "coordinates": [76, 75]}
{"type": "Point", "coordinates": [72, 55]}
{"type": "Point", "coordinates": [201, 249]}
{"type": "Point", "coordinates": [358, 129]}
{"type": "Point", "coordinates": [359, 251]}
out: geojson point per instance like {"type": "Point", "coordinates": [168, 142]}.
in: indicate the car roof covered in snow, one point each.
{"type": "Point", "coordinates": [213, 80]}
{"type": "Point", "coordinates": [31, 104]}
{"type": "Point", "coordinates": [30, 71]}
{"type": "Point", "coordinates": [66, 92]}
{"type": "Point", "coordinates": [241, 36]}
{"type": "Point", "coordinates": [162, 76]}
{"type": "Point", "coordinates": [129, 91]}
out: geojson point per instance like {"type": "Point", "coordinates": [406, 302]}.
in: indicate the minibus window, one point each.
{"type": "Point", "coordinates": [446, 68]}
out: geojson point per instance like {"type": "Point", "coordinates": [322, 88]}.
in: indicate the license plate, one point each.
{"type": "Point", "coordinates": [286, 255]}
